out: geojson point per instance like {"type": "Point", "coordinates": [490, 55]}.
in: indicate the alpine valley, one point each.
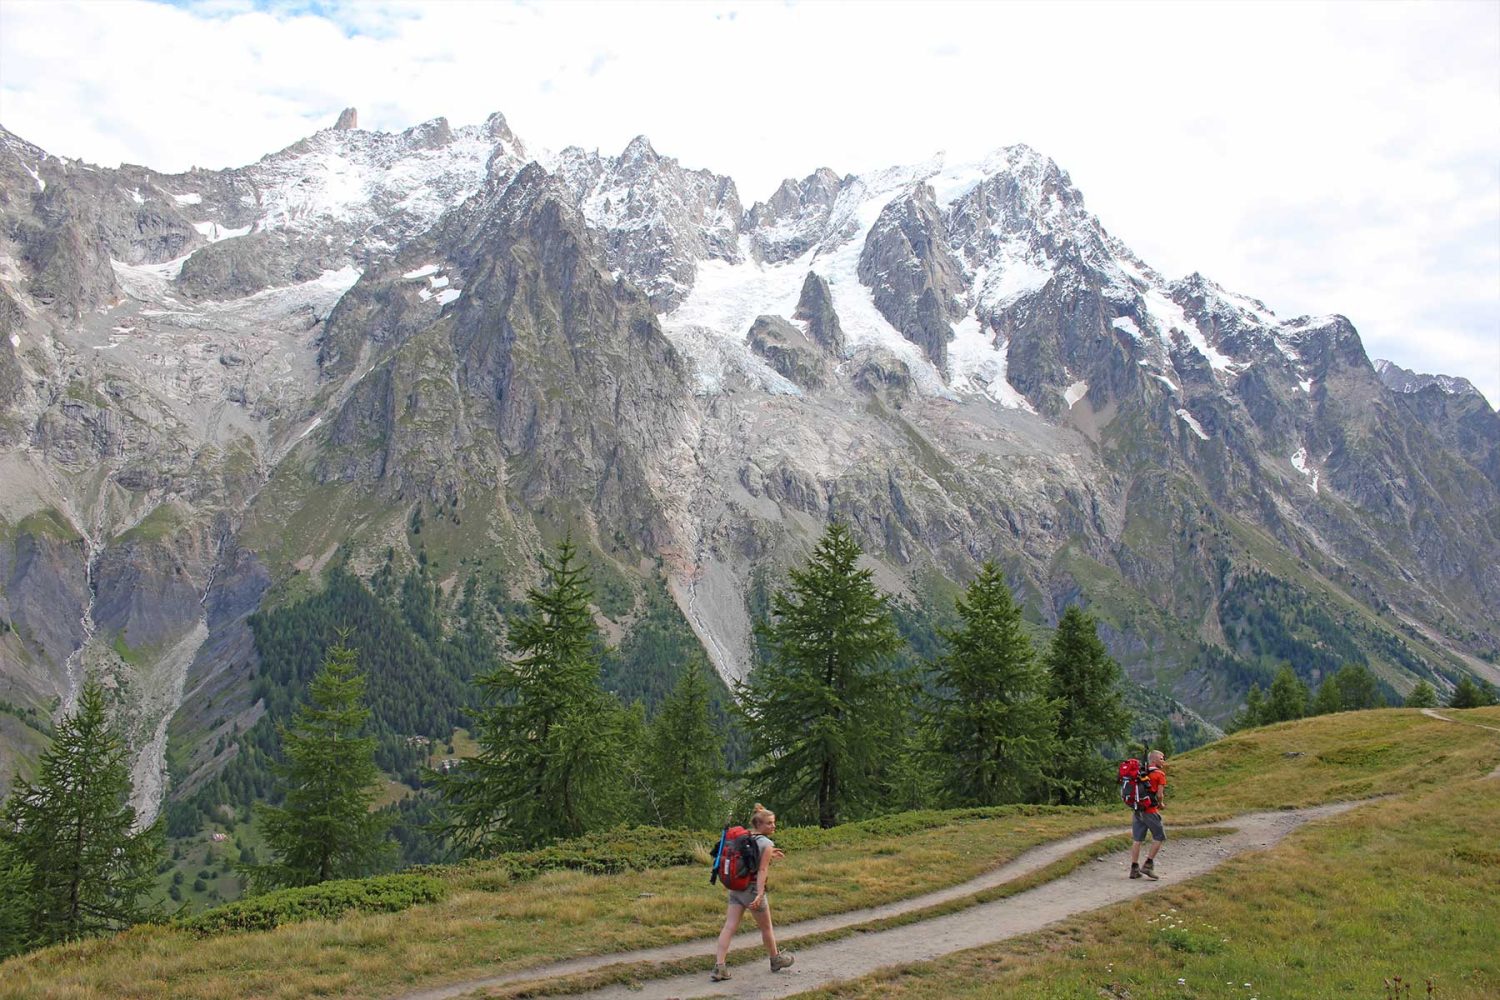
{"type": "Point", "coordinates": [398, 367]}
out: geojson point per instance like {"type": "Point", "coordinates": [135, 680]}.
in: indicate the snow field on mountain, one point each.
{"type": "Point", "coordinates": [1299, 462]}
{"type": "Point", "coordinates": [215, 232]}
{"type": "Point", "coordinates": [1192, 422]}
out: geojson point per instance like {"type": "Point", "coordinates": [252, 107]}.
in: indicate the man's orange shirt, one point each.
{"type": "Point", "coordinates": [1158, 779]}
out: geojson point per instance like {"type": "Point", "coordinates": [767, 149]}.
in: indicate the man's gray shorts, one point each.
{"type": "Point", "coordinates": [1143, 822]}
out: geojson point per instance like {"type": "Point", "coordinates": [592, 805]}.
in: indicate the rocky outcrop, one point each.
{"type": "Point", "coordinates": [815, 308]}
{"type": "Point", "coordinates": [348, 119]}
{"type": "Point", "coordinates": [788, 351]}
{"type": "Point", "coordinates": [915, 279]}
{"type": "Point", "coordinates": [44, 590]}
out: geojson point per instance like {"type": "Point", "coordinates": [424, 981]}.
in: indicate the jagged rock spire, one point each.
{"type": "Point", "coordinates": [348, 119]}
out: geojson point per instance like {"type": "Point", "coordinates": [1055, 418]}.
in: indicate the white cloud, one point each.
{"type": "Point", "coordinates": [1341, 158]}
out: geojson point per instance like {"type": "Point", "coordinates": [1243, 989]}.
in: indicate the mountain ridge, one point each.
{"type": "Point", "coordinates": [957, 359]}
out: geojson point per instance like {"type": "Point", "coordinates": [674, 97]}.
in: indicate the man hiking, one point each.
{"type": "Point", "coordinates": [1148, 818]}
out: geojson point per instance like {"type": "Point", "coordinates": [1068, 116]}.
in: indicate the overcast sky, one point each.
{"type": "Point", "coordinates": [1341, 158]}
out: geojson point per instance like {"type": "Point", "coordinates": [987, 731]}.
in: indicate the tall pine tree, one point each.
{"type": "Point", "coordinates": [684, 756]}
{"type": "Point", "coordinates": [821, 713]}
{"type": "Point", "coordinates": [68, 841]}
{"type": "Point", "coordinates": [550, 739]}
{"type": "Point", "coordinates": [1085, 681]}
{"type": "Point", "coordinates": [994, 725]}
{"type": "Point", "coordinates": [1287, 699]}
{"type": "Point", "coordinates": [324, 829]}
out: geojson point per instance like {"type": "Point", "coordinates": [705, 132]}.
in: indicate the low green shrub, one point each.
{"type": "Point", "coordinates": [607, 852]}
{"type": "Point", "coordinates": [380, 894]}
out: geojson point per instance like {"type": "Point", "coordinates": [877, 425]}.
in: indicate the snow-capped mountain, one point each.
{"type": "Point", "coordinates": [213, 382]}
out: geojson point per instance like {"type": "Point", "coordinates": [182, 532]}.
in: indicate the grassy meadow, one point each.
{"type": "Point", "coordinates": [1407, 887]}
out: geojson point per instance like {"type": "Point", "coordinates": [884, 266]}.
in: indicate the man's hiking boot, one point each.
{"type": "Point", "coordinates": [1149, 870]}
{"type": "Point", "coordinates": [781, 961]}
{"type": "Point", "coordinates": [1135, 870]}
{"type": "Point", "coordinates": [720, 973]}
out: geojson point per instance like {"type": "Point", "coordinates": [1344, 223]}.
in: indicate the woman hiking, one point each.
{"type": "Point", "coordinates": [762, 825]}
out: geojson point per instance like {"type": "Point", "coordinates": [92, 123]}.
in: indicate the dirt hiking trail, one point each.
{"type": "Point", "coordinates": [1089, 887]}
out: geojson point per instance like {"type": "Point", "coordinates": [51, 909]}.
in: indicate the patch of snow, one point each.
{"type": "Point", "coordinates": [135, 196]}
{"type": "Point", "coordinates": [1166, 382]}
{"type": "Point", "coordinates": [15, 340]}
{"type": "Point", "coordinates": [216, 232]}
{"type": "Point", "coordinates": [1299, 462]}
{"type": "Point", "coordinates": [424, 294]}
{"type": "Point", "coordinates": [1075, 392]}
{"type": "Point", "coordinates": [421, 272]}
{"type": "Point", "coordinates": [448, 295]}
{"type": "Point", "coordinates": [123, 329]}
{"type": "Point", "coordinates": [36, 175]}
{"type": "Point", "coordinates": [1192, 422]}
{"type": "Point", "coordinates": [440, 281]}
{"type": "Point", "coordinates": [1126, 324]}
{"type": "Point", "coordinates": [977, 364]}
{"type": "Point", "coordinates": [1014, 275]}
{"type": "Point", "coordinates": [104, 347]}
{"type": "Point", "coordinates": [309, 428]}
{"type": "Point", "coordinates": [342, 280]}
{"type": "Point", "coordinates": [1169, 316]}
{"type": "Point", "coordinates": [1306, 386]}
{"type": "Point", "coordinates": [191, 198]}
{"type": "Point", "coordinates": [148, 282]}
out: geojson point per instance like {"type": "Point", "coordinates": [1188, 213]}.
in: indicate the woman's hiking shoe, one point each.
{"type": "Point", "coordinates": [720, 973]}
{"type": "Point", "coordinates": [781, 961]}
{"type": "Point", "coordinates": [1135, 870]}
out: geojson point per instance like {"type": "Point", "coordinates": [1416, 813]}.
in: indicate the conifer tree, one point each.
{"type": "Point", "coordinates": [1254, 712]}
{"type": "Point", "coordinates": [993, 723]}
{"type": "Point", "coordinates": [1328, 700]}
{"type": "Point", "coordinates": [1164, 737]}
{"type": "Point", "coordinates": [1467, 694]}
{"type": "Point", "coordinates": [1287, 699]}
{"type": "Point", "coordinates": [324, 828]}
{"type": "Point", "coordinates": [68, 842]}
{"type": "Point", "coordinates": [684, 758]}
{"type": "Point", "coordinates": [1357, 688]}
{"type": "Point", "coordinates": [15, 899]}
{"type": "Point", "coordinates": [1085, 682]}
{"type": "Point", "coordinates": [822, 711]}
{"type": "Point", "coordinates": [1421, 695]}
{"type": "Point", "coordinates": [550, 739]}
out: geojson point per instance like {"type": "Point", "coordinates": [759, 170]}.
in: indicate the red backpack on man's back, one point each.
{"type": "Point", "coordinates": [1135, 786]}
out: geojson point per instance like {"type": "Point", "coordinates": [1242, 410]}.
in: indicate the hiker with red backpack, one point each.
{"type": "Point", "coordinates": [742, 863]}
{"type": "Point", "coordinates": [1144, 791]}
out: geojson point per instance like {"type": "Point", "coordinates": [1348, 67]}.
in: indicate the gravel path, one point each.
{"type": "Point", "coordinates": [1087, 888]}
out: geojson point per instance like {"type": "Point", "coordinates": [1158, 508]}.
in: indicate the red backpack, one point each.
{"type": "Point", "coordinates": [1135, 786]}
{"type": "Point", "coordinates": [737, 859]}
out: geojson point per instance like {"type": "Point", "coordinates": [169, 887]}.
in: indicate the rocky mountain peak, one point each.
{"type": "Point", "coordinates": [348, 119]}
{"type": "Point", "coordinates": [795, 218]}
{"type": "Point", "coordinates": [1404, 380]}
{"type": "Point", "coordinates": [657, 218]}
{"type": "Point", "coordinates": [638, 151]}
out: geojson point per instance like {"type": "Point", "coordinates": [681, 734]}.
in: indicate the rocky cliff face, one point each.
{"type": "Point", "coordinates": [421, 345]}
